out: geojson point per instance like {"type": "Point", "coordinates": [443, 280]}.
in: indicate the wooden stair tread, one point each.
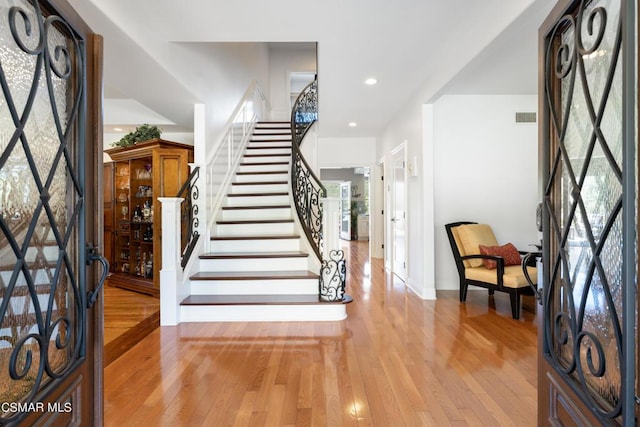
{"type": "Point", "coordinates": [262, 173]}
{"type": "Point", "coordinates": [275, 147]}
{"type": "Point", "coordinates": [270, 140]}
{"type": "Point", "coordinates": [251, 255]}
{"type": "Point", "coordinates": [256, 221]}
{"type": "Point", "coordinates": [235, 208]}
{"type": "Point", "coordinates": [263, 163]}
{"type": "Point", "coordinates": [258, 300]}
{"type": "Point", "coordinates": [257, 194]}
{"type": "Point", "coordinates": [254, 275]}
{"type": "Point", "coordinates": [260, 183]}
{"type": "Point", "coordinates": [265, 237]}
{"type": "Point", "coordinates": [268, 155]}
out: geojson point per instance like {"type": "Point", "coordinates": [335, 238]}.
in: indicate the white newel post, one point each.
{"type": "Point", "coordinates": [330, 225]}
{"type": "Point", "coordinates": [171, 287]}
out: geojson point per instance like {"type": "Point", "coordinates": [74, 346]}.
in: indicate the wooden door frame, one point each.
{"type": "Point", "coordinates": [558, 392]}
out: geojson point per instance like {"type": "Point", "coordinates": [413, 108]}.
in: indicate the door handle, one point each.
{"type": "Point", "coordinates": [92, 256]}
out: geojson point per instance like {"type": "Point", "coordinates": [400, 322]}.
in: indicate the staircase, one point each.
{"type": "Point", "coordinates": [260, 267]}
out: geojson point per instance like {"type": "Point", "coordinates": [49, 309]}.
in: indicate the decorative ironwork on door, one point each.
{"type": "Point", "coordinates": [42, 272]}
{"type": "Point", "coordinates": [583, 295]}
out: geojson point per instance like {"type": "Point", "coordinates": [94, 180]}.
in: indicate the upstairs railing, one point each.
{"type": "Point", "coordinates": [217, 167]}
{"type": "Point", "coordinates": [307, 188]}
{"type": "Point", "coordinates": [222, 160]}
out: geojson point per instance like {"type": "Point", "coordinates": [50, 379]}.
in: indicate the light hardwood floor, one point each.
{"type": "Point", "coordinates": [396, 361]}
{"type": "Point", "coordinates": [128, 317]}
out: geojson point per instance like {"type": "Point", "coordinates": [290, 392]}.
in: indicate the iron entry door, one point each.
{"type": "Point", "coordinates": [50, 366]}
{"type": "Point", "coordinates": [587, 372]}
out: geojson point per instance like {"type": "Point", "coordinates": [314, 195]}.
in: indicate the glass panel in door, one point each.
{"type": "Point", "coordinates": [583, 198]}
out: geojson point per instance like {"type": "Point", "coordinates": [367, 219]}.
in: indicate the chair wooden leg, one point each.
{"type": "Point", "coordinates": [463, 290]}
{"type": "Point", "coordinates": [515, 305]}
{"type": "Point", "coordinates": [492, 291]}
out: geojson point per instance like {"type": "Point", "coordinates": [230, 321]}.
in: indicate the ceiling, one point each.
{"type": "Point", "coordinates": [417, 50]}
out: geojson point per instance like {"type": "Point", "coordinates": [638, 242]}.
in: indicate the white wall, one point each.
{"type": "Point", "coordinates": [220, 73]}
{"type": "Point", "coordinates": [475, 164]}
{"type": "Point", "coordinates": [407, 127]}
{"type": "Point", "coordinates": [485, 170]}
{"type": "Point", "coordinates": [346, 152]}
{"type": "Point", "coordinates": [284, 59]}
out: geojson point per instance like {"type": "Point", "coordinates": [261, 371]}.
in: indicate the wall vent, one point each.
{"type": "Point", "coordinates": [526, 117]}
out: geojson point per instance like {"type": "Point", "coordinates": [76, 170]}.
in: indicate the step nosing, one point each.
{"type": "Point", "coordinates": [267, 155]}
{"type": "Point", "coordinates": [257, 194]}
{"type": "Point", "coordinates": [231, 208]}
{"type": "Point", "coordinates": [253, 255]}
{"type": "Point", "coordinates": [252, 300]}
{"type": "Point", "coordinates": [260, 183]}
{"type": "Point", "coordinates": [263, 163]}
{"type": "Point", "coordinates": [255, 221]}
{"type": "Point", "coordinates": [266, 237]}
{"type": "Point", "coordinates": [262, 172]}
{"type": "Point", "coordinates": [253, 275]}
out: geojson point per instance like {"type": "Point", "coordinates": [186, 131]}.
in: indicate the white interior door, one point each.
{"type": "Point", "coordinates": [398, 215]}
{"type": "Point", "coordinates": [345, 210]}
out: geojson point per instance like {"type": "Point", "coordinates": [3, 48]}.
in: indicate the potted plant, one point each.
{"type": "Point", "coordinates": [142, 133]}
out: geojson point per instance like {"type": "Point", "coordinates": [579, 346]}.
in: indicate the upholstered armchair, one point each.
{"type": "Point", "coordinates": [482, 262]}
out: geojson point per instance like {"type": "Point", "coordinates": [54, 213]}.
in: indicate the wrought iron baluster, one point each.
{"type": "Point", "coordinates": [307, 194]}
{"type": "Point", "coordinates": [189, 215]}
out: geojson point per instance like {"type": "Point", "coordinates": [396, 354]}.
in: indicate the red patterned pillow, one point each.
{"type": "Point", "coordinates": [508, 252]}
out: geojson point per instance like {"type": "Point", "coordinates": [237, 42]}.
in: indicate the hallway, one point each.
{"type": "Point", "coordinates": [397, 360]}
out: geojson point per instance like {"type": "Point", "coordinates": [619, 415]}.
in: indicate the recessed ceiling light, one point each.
{"type": "Point", "coordinates": [117, 129]}
{"type": "Point", "coordinates": [353, 124]}
{"type": "Point", "coordinates": [370, 81]}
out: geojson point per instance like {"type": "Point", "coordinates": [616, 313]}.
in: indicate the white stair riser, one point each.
{"type": "Point", "coordinates": [256, 264]}
{"type": "Point", "coordinates": [271, 151]}
{"type": "Point", "coordinates": [255, 287]}
{"type": "Point", "coordinates": [261, 188]}
{"type": "Point", "coordinates": [269, 177]}
{"type": "Point", "coordinates": [264, 168]}
{"type": "Point", "coordinates": [257, 200]}
{"type": "Point", "coordinates": [264, 136]}
{"type": "Point", "coordinates": [247, 214]}
{"type": "Point", "coordinates": [256, 245]}
{"type": "Point", "coordinates": [254, 229]}
{"type": "Point", "coordinates": [264, 159]}
{"type": "Point", "coordinates": [263, 313]}
{"type": "Point", "coordinates": [275, 145]}
{"type": "Point", "coordinates": [272, 128]}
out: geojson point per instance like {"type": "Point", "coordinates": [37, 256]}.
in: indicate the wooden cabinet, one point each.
{"type": "Point", "coordinates": [142, 173]}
